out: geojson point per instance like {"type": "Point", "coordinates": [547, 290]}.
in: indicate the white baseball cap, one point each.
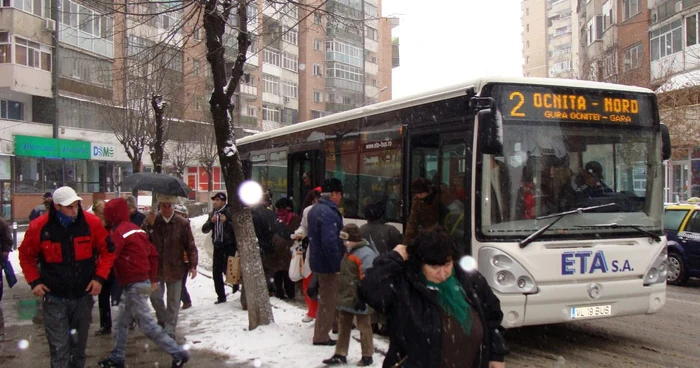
{"type": "Point", "coordinates": [65, 196]}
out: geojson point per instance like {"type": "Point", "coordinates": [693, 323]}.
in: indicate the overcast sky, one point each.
{"type": "Point", "coordinates": [443, 42]}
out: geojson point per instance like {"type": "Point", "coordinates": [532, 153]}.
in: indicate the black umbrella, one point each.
{"type": "Point", "coordinates": [154, 182]}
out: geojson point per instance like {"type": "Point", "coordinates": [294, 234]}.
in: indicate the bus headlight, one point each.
{"type": "Point", "coordinates": [658, 270]}
{"type": "Point", "coordinates": [504, 273]}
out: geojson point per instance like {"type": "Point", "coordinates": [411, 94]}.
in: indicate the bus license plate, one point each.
{"type": "Point", "coordinates": [589, 312]}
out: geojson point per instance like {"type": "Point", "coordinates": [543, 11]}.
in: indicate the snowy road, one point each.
{"type": "Point", "coordinates": [670, 338]}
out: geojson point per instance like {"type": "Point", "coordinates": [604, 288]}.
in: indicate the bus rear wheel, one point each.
{"type": "Point", "coordinates": [676, 269]}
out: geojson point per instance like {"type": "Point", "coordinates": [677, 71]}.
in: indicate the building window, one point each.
{"type": "Point", "coordinates": [630, 8]}
{"type": "Point", "coordinates": [527, 28]}
{"type": "Point", "coordinates": [290, 62]}
{"type": "Point", "coordinates": [632, 58]}
{"type": "Point", "coordinates": [5, 48]}
{"type": "Point", "coordinates": [594, 29]}
{"type": "Point", "coordinates": [251, 111]}
{"type": "Point", "coordinates": [317, 96]}
{"type": "Point", "coordinates": [32, 54]}
{"type": "Point", "coordinates": [347, 100]}
{"type": "Point", "coordinates": [11, 110]}
{"type": "Point", "coordinates": [198, 103]}
{"type": "Point", "coordinates": [666, 40]}
{"type": "Point", "coordinates": [318, 70]}
{"type": "Point", "coordinates": [527, 11]}
{"type": "Point", "coordinates": [608, 18]}
{"type": "Point", "coordinates": [195, 64]}
{"type": "Point", "coordinates": [207, 70]}
{"type": "Point", "coordinates": [290, 89]}
{"type": "Point", "coordinates": [691, 29]}
{"type": "Point", "coordinates": [271, 84]}
{"type": "Point", "coordinates": [271, 113]}
{"type": "Point", "coordinates": [372, 33]}
{"type": "Point", "coordinates": [560, 67]}
{"type": "Point", "coordinates": [272, 57]}
{"type": "Point", "coordinates": [290, 36]}
{"type": "Point", "coordinates": [317, 18]}
{"type": "Point", "coordinates": [610, 65]}
{"type": "Point", "coordinates": [527, 44]}
{"type": "Point", "coordinates": [197, 34]}
{"type": "Point", "coordinates": [317, 44]}
{"type": "Point", "coordinates": [344, 53]}
{"type": "Point", "coordinates": [342, 71]}
{"type": "Point", "coordinates": [40, 8]}
{"type": "Point", "coordinates": [84, 28]}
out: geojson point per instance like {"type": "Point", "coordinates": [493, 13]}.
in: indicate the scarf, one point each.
{"type": "Point", "coordinates": [284, 215]}
{"type": "Point", "coordinates": [64, 220]}
{"type": "Point", "coordinates": [452, 299]}
{"type": "Point", "coordinates": [219, 226]}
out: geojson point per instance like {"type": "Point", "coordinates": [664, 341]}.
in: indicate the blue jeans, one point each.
{"type": "Point", "coordinates": [134, 304]}
{"type": "Point", "coordinates": [167, 313]}
{"type": "Point", "coordinates": [66, 322]}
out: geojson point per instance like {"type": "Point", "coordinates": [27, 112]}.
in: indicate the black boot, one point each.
{"type": "Point", "coordinates": [335, 360]}
{"type": "Point", "coordinates": [365, 361]}
{"type": "Point", "coordinates": [103, 331]}
{"type": "Point", "coordinates": [109, 363]}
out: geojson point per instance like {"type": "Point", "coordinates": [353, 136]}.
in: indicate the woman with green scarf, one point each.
{"type": "Point", "coordinates": [439, 316]}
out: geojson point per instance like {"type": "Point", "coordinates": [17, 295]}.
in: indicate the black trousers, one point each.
{"type": "Point", "coordinates": [284, 285]}
{"type": "Point", "coordinates": [105, 301]}
{"type": "Point", "coordinates": [218, 271]}
{"type": "Point", "coordinates": [66, 322]}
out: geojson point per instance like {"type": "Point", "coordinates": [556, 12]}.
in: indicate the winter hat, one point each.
{"type": "Point", "coordinates": [166, 198]}
{"type": "Point", "coordinates": [350, 232]}
{"type": "Point", "coordinates": [374, 211]}
{"type": "Point", "coordinates": [64, 196]}
{"type": "Point", "coordinates": [332, 185]}
{"type": "Point", "coordinates": [595, 168]}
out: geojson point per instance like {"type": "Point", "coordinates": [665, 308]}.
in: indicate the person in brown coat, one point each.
{"type": "Point", "coordinates": [425, 210]}
{"type": "Point", "coordinates": [172, 236]}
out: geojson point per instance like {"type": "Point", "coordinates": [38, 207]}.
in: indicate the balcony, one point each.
{"type": "Point", "coordinates": [338, 107]}
{"type": "Point", "coordinates": [333, 32]}
{"type": "Point", "coordinates": [20, 78]}
{"type": "Point", "coordinates": [248, 90]}
{"type": "Point", "coordinates": [25, 25]}
{"type": "Point", "coordinates": [269, 125]}
{"type": "Point", "coordinates": [250, 122]}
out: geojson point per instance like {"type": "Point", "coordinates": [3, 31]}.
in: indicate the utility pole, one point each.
{"type": "Point", "coordinates": [54, 72]}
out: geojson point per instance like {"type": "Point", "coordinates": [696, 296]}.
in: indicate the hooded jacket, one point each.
{"type": "Point", "coordinates": [68, 257]}
{"type": "Point", "coordinates": [136, 257]}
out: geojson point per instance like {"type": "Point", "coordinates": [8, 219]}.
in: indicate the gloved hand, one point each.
{"type": "Point", "coordinates": [110, 244]}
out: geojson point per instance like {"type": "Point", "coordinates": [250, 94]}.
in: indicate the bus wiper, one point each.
{"type": "Point", "coordinates": [559, 216]}
{"type": "Point", "coordinates": [615, 225]}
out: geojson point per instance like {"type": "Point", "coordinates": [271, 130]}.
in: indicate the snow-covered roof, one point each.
{"type": "Point", "coordinates": [432, 96]}
{"type": "Point", "coordinates": [680, 81]}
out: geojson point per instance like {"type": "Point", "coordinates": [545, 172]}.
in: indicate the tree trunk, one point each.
{"type": "Point", "coordinates": [257, 296]}
{"type": "Point", "coordinates": [135, 168]}
{"type": "Point", "coordinates": [157, 156]}
{"type": "Point", "coordinates": [210, 185]}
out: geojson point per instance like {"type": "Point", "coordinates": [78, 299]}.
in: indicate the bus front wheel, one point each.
{"type": "Point", "coordinates": [676, 269]}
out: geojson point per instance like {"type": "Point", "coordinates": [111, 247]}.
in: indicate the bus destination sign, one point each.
{"type": "Point", "coordinates": [544, 103]}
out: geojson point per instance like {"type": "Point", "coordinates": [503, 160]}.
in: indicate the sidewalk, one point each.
{"type": "Point", "coordinates": [23, 343]}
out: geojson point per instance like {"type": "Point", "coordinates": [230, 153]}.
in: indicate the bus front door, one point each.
{"type": "Point", "coordinates": [304, 175]}
{"type": "Point", "coordinates": [442, 159]}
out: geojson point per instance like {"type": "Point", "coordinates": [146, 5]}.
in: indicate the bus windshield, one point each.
{"type": "Point", "coordinates": [552, 165]}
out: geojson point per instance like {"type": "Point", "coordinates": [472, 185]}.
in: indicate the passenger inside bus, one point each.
{"type": "Point", "coordinates": [425, 209]}
{"type": "Point", "coordinates": [393, 201]}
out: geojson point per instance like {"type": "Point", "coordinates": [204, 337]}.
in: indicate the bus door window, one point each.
{"type": "Point", "coordinates": [452, 191]}
{"type": "Point", "coordinates": [301, 178]}
{"type": "Point", "coordinates": [424, 174]}
{"type": "Point", "coordinates": [276, 183]}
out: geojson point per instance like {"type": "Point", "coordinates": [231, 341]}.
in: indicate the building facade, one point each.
{"type": "Point", "coordinates": [75, 79]}
{"type": "Point", "coordinates": [549, 38]}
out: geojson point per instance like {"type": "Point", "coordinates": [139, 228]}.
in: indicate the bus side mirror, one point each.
{"type": "Point", "coordinates": [665, 143]}
{"type": "Point", "coordinates": [489, 137]}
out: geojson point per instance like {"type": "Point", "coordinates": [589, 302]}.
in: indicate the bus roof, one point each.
{"type": "Point", "coordinates": [452, 91]}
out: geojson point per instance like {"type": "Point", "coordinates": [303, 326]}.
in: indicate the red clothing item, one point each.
{"type": "Point", "coordinates": [136, 257]}
{"type": "Point", "coordinates": [310, 303]}
{"type": "Point", "coordinates": [66, 254]}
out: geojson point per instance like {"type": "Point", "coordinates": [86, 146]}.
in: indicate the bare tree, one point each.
{"type": "Point", "coordinates": [207, 156]}
{"type": "Point", "coordinates": [181, 152]}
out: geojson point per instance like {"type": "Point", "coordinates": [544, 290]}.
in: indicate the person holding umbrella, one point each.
{"type": "Point", "coordinates": [172, 236]}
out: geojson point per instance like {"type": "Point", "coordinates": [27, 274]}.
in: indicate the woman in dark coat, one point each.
{"type": "Point", "coordinates": [439, 315]}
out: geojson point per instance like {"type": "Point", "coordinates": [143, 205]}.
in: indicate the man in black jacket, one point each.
{"type": "Point", "coordinates": [224, 240]}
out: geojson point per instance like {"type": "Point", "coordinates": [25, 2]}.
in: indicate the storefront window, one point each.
{"type": "Point", "coordinates": [53, 173]}
{"type": "Point", "coordinates": [28, 175]}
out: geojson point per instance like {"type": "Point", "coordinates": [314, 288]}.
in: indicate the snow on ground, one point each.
{"type": "Point", "coordinates": [224, 327]}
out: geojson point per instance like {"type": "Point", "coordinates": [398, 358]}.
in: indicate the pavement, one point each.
{"type": "Point", "coordinates": [23, 341]}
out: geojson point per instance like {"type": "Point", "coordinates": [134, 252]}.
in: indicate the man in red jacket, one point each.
{"type": "Point", "coordinates": [136, 269]}
{"type": "Point", "coordinates": [63, 242]}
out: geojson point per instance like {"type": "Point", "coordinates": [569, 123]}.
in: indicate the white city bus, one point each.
{"type": "Point", "coordinates": [510, 160]}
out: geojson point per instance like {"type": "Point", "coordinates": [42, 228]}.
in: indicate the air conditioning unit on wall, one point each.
{"type": "Point", "coordinates": [49, 25]}
{"type": "Point", "coordinates": [654, 16]}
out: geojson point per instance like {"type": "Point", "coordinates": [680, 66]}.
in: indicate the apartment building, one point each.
{"type": "Point", "coordinates": [549, 38]}
{"type": "Point", "coordinates": [614, 41]}
{"type": "Point", "coordinates": [67, 74]}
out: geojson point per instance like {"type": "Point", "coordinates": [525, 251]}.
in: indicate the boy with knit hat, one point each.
{"type": "Point", "coordinates": [357, 260]}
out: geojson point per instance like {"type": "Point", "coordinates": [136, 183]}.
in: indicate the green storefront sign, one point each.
{"type": "Point", "coordinates": [51, 147]}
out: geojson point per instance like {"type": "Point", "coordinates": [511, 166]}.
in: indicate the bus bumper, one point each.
{"type": "Point", "coordinates": [553, 303]}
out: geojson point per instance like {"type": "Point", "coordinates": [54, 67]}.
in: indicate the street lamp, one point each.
{"type": "Point", "coordinates": [378, 92]}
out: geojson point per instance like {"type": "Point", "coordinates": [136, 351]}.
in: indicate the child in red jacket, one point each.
{"type": "Point", "coordinates": [136, 269]}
